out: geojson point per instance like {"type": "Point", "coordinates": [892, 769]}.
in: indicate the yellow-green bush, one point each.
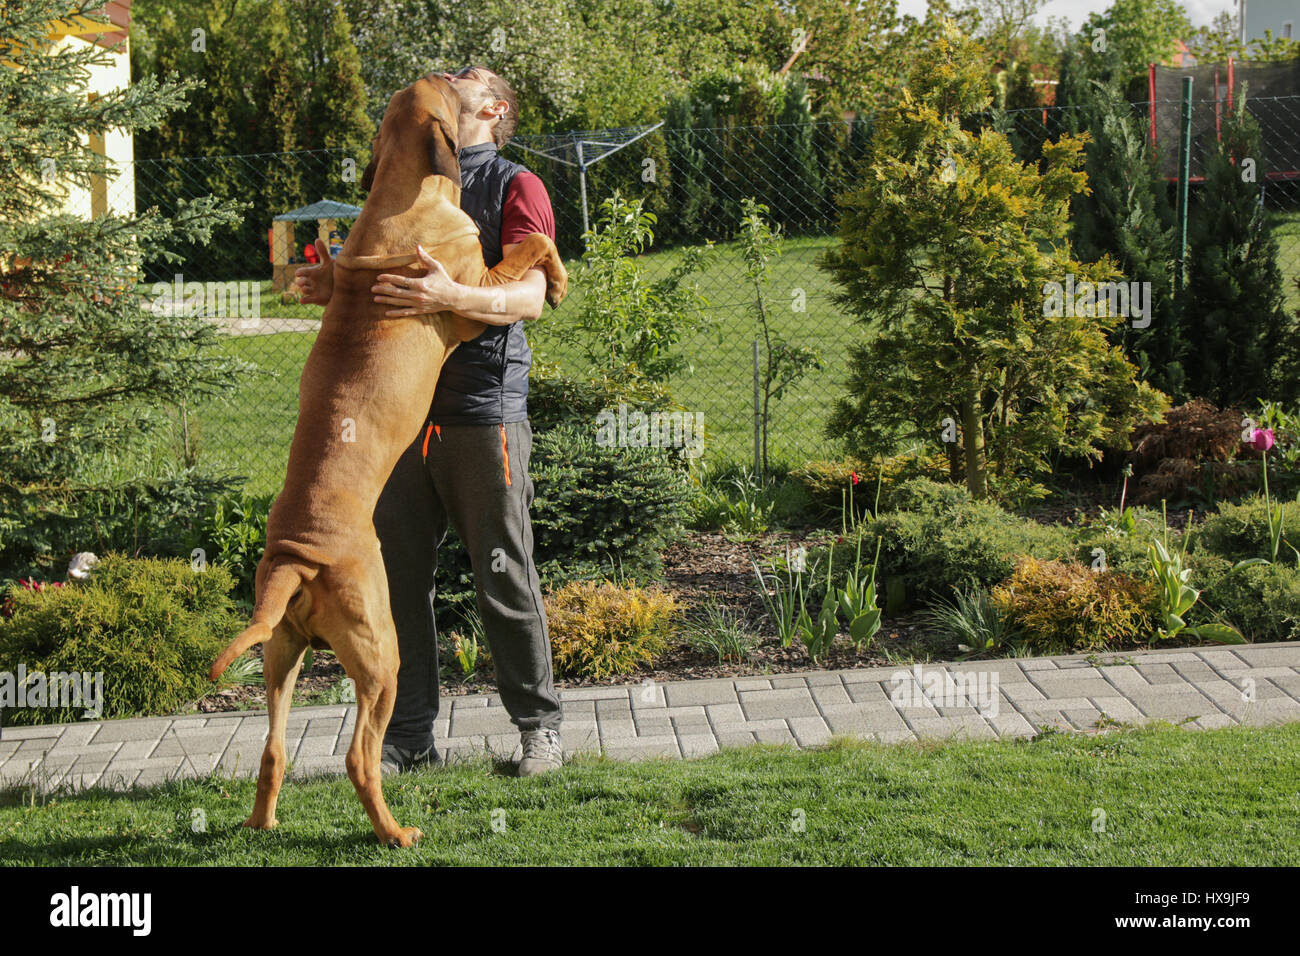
{"type": "Point", "coordinates": [1061, 608]}
{"type": "Point", "coordinates": [599, 630]}
{"type": "Point", "coordinates": [151, 626]}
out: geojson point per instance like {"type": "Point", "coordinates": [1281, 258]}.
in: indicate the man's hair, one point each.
{"type": "Point", "coordinates": [501, 90]}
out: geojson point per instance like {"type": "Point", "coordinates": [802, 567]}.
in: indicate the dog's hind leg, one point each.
{"type": "Point", "coordinates": [282, 659]}
{"type": "Point", "coordinates": [375, 678]}
{"type": "Point", "coordinates": [360, 630]}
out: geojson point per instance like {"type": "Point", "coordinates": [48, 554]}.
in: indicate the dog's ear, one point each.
{"type": "Point", "coordinates": [442, 150]}
{"type": "Point", "coordinates": [368, 175]}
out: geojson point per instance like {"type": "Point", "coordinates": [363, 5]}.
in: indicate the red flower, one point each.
{"type": "Point", "coordinates": [854, 476]}
{"type": "Point", "coordinates": [39, 586]}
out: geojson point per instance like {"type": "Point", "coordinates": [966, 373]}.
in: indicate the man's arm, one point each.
{"type": "Point", "coordinates": [527, 209]}
{"type": "Point", "coordinates": [436, 292]}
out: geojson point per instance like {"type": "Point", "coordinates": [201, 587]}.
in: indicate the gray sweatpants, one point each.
{"type": "Point", "coordinates": [476, 477]}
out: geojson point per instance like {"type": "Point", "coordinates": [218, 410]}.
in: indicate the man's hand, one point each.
{"type": "Point", "coordinates": [436, 291]}
{"type": "Point", "coordinates": [429, 294]}
{"type": "Point", "coordinates": [317, 282]}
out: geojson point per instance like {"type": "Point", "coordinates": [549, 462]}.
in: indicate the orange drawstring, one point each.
{"type": "Point", "coordinates": [505, 454]}
{"type": "Point", "coordinates": [427, 432]}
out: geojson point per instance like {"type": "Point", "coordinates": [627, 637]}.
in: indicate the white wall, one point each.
{"type": "Point", "coordinates": [1272, 15]}
{"type": "Point", "coordinates": [118, 193]}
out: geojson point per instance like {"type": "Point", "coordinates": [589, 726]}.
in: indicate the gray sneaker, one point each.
{"type": "Point", "coordinates": [397, 759]}
{"type": "Point", "coordinates": [543, 751]}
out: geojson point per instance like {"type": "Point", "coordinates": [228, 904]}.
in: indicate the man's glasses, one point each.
{"type": "Point", "coordinates": [470, 73]}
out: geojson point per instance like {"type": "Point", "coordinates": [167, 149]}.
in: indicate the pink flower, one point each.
{"type": "Point", "coordinates": [1262, 439]}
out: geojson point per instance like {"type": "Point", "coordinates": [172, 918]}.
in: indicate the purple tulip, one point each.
{"type": "Point", "coordinates": [1262, 439]}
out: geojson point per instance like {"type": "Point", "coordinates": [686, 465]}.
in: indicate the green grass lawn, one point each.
{"type": "Point", "coordinates": [1169, 797]}
{"type": "Point", "coordinates": [721, 382]}
{"type": "Point", "coordinates": [1286, 230]}
{"type": "Point", "coordinates": [248, 431]}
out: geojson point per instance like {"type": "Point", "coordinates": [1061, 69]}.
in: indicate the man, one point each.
{"type": "Point", "coordinates": [471, 467]}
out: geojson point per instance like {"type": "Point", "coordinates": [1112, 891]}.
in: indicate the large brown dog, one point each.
{"type": "Point", "coordinates": [364, 394]}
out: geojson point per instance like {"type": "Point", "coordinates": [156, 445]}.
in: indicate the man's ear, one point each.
{"type": "Point", "coordinates": [368, 174]}
{"type": "Point", "coordinates": [442, 150]}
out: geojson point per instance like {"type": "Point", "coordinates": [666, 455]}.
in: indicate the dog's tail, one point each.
{"type": "Point", "coordinates": [281, 585]}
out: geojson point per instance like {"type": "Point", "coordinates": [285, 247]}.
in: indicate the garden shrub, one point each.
{"type": "Point", "coordinates": [1240, 531]}
{"type": "Point", "coordinates": [1196, 430]}
{"type": "Point", "coordinates": [598, 504]}
{"type": "Point", "coordinates": [978, 544]}
{"type": "Point", "coordinates": [40, 532]}
{"type": "Point", "coordinates": [233, 534]}
{"type": "Point", "coordinates": [556, 398]}
{"type": "Point", "coordinates": [828, 482]}
{"type": "Point", "coordinates": [1181, 480]}
{"type": "Point", "coordinates": [152, 626]}
{"type": "Point", "coordinates": [1060, 608]}
{"type": "Point", "coordinates": [1260, 600]}
{"type": "Point", "coordinates": [1125, 553]}
{"type": "Point", "coordinates": [1191, 455]}
{"type": "Point", "coordinates": [926, 496]}
{"type": "Point", "coordinates": [601, 630]}
{"type": "Point", "coordinates": [597, 510]}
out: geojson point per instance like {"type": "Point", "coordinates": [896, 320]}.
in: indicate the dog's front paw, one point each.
{"type": "Point", "coordinates": [256, 822]}
{"type": "Point", "coordinates": [406, 836]}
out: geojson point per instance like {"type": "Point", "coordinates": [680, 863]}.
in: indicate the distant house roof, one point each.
{"type": "Point", "coordinates": [325, 209]}
{"type": "Point", "coordinates": [118, 12]}
{"type": "Point", "coordinates": [1182, 55]}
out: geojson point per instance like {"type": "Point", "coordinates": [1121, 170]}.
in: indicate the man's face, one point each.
{"type": "Point", "coordinates": [471, 89]}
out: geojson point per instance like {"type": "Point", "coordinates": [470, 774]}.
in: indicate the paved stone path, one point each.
{"type": "Point", "coordinates": [1202, 687]}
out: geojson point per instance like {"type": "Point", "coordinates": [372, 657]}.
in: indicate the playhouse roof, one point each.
{"type": "Point", "coordinates": [325, 209]}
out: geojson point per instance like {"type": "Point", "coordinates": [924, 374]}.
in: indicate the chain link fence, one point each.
{"type": "Point", "coordinates": [693, 180]}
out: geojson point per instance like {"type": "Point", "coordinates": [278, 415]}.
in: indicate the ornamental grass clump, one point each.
{"type": "Point", "coordinates": [601, 630]}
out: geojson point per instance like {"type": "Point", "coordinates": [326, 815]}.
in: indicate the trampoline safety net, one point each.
{"type": "Point", "coordinates": [1272, 96]}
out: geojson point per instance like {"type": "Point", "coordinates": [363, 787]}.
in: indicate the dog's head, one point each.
{"type": "Point", "coordinates": [424, 117]}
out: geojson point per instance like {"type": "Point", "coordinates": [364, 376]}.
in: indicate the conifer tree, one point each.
{"type": "Point", "coordinates": [947, 252]}
{"type": "Point", "coordinates": [88, 372]}
{"type": "Point", "coordinates": [1125, 214]}
{"type": "Point", "coordinates": [1240, 337]}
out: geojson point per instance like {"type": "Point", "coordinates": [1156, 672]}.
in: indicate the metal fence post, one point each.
{"type": "Point", "coordinates": [1184, 173]}
{"type": "Point", "coordinates": [758, 421]}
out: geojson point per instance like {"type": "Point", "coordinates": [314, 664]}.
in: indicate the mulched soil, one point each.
{"type": "Point", "coordinates": [709, 568]}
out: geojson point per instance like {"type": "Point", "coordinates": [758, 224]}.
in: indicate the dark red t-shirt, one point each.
{"type": "Point", "coordinates": [527, 209]}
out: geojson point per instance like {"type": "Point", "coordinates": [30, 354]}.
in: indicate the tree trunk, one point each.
{"type": "Point", "coordinates": [956, 462]}
{"type": "Point", "coordinates": [972, 436]}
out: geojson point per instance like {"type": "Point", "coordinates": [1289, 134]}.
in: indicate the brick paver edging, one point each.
{"type": "Point", "coordinates": [1202, 687]}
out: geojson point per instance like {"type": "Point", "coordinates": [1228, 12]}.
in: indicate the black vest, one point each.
{"type": "Point", "coordinates": [485, 382]}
